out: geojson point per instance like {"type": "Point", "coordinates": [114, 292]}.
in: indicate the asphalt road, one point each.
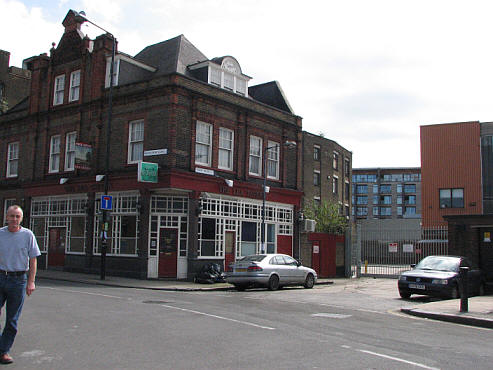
{"type": "Point", "coordinates": [354, 326]}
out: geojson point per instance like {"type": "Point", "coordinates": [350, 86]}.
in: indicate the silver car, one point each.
{"type": "Point", "coordinates": [271, 271]}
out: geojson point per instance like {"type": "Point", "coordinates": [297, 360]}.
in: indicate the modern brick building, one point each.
{"type": "Point", "coordinates": [196, 118]}
{"type": "Point", "coordinates": [14, 83]}
{"type": "Point", "coordinates": [457, 180]}
{"type": "Point", "coordinates": [456, 165]}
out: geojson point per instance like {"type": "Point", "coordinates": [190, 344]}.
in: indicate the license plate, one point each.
{"type": "Point", "coordinates": [417, 286]}
{"type": "Point", "coordinates": [240, 270]}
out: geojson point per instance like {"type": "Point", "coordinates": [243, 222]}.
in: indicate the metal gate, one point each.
{"type": "Point", "coordinates": [380, 252]}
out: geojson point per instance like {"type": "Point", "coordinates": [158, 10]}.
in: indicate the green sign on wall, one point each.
{"type": "Point", "coordinates": [147, 172]}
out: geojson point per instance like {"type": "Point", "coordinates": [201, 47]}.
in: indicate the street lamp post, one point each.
{"type": "Point", "coordinates": [104, 229]}
{"type": "Point", "coordinates": [289, 144]}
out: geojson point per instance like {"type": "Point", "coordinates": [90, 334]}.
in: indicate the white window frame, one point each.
{"type": "Point", "coordinates": [226, 147]}
{"type": "Point", "coordinates": [13, 159]}
{"type": "Point", "coordinates": [54, 162]}
{"type": "Point", "coordinates": [335, 160]}
{"type": "Point", "coordinates": [70, 139]}
{"type": "Point", "coordinates": [216, 76]}
{"type": "Point", "coordinates": [116, 72]}
{"type": "Point", "coordinates": [74, 86]}
{"type": "Point", "coordinates": [255, 155]}
{"type": "Point", "coordinates": [273, 160]}
{"type": "Point", "coordinates": [59, 90]}
{"type": "Point", "coordinates": [135, 140]}
{"type": "Point", "coordinates": [335, 184]}
{"type": "Point", "coordinates": [203, 139]}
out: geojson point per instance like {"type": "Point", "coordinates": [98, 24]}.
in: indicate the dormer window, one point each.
{"type": "Point", "coordinates": [223, 72]}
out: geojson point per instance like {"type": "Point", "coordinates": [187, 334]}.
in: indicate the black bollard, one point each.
{"type": "Point", "coordinates": [464, 303]}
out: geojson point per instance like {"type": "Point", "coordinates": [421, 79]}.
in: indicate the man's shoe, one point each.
{"type": "Point", "coordinates": [6, 359]}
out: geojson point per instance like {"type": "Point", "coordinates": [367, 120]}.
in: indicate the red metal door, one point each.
{"type": "Point", "coordinates": [168, 252]}
{"type": "Point", "coordinates": [229, 249]}
{"type": "Point", "coordinates": [56, 247]}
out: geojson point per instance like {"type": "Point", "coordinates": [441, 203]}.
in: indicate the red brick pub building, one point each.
{"type": "Point", "coordinates": [196, 118]}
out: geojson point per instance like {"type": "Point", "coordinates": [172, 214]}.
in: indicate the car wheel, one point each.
{"type": "Point", "coordinates": [240, 287]}
{"type": "Point", "coordinates": [455, 292]}
{"type": "Point", "coordinates": [404, 294]}
{"type": "Point", "coordinates": [309, 281]}
{"type": "Point", "coordinates": [273, 282]}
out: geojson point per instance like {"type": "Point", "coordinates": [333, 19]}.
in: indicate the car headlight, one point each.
{"type": "Point", "coordinates": [440, 281]}
{"type": "Point", "coordinates": [402, 278]}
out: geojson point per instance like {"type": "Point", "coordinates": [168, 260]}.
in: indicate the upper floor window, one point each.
{"type": "Point", "coordinates": [59, 90]}
{"type": "Point", "coordinates": [273, 160]}
{"type": "Point", "coordinates": [364, 178]}
{"type": "Point", "coordinates": [410, 199]}
{"type": "Point", "coordinates": [385, 211]}
{"type": "Point", "coordinates": [361, 211]}
{"type": "Point", "coordinates": [335, 161]}
{"type": "Point", "coordinates": [335, 184]}
{"type": "Point", "coordinates": [385, 189]}
{"type": "Point", "coordinates": [410, 211]}
{"type": "Point", "coordinates": [255, 167]}
{"type": "Point", "coordinates": [203, 143]}
{"type": "Point", "coordinates": [346, 191]}
{"type": "Point", "coordinates": [54, 162]}
{"type": "Point", "coordinates": [361, 189]}
{"type": "Point", "coordinates": [70, 151]}
{"type": "Point", "coordinates": [226, 143]}
{"type": "Point", "coordinates": [13, 159]}
{"type": "Point", "coordinates": [452, 198]}
{"type": "Point", "coordinates": [74, 86]}
{"type": "Point", "coordinates": [316, 178]}
{"type": "Point", "coordinates": [116, 68]}
{"type": "Point", "coordinates": [362, 199]}
{"type": "Point", "coordinates": [316, 153]}
{"type": "Point", "coordinates": [410, 188]}
{"type": "Point", "coordinates": [136, 141]}
{"type": "Point", "coordinates": [228, 76]}
{"type": "Point", "coordinates": [347, 167]}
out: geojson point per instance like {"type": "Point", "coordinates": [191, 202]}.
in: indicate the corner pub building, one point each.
{"type": "Point", "coordinates": [210, 134]}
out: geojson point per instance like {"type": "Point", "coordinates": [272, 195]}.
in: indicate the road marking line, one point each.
{"type": "Point", "coordinates": [398, 359]}
{"type": "Point", "coordinates": [331, 315]}
{"type": "Point", "coordinates": [82, 292]}
{"type": "Point", "coordinates": [218, 317]}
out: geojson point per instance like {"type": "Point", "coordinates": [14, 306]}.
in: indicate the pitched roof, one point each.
{"type": "Point", "coordinates": [173, 55]}
{"type": "Point", "coordinates": [270, 93]}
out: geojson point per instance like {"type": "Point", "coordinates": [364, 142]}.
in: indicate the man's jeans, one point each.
{"type": "Point", "coordinates": [12, 290]}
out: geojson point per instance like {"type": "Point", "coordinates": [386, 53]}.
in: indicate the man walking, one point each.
{"type": "Point", "coordinates": [18, 252]}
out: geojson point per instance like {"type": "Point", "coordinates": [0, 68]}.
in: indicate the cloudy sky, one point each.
{"type": "Point", "coordinates": [366, 74]}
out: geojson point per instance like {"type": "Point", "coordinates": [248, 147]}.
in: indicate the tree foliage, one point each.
{"type": "Point", "coordinates": [327, 216]}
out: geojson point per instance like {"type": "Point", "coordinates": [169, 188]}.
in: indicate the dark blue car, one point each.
{"type": "Point", "coordinates": [439, 276]}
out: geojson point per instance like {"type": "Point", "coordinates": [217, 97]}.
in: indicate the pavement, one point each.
{"type": "Point", "coordinates": [479, 312]}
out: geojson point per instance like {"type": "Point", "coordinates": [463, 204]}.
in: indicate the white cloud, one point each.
{"type": "Point", "coordinates": [365, 73]}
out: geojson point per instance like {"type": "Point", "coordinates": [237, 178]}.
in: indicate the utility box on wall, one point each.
{"type": "Point", "coordinates": [308, 226]}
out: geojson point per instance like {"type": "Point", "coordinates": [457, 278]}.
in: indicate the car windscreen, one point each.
{"type": "Point", "coordinates": [253, 258]}
{"type": "Point", "coordinates": [439, 263]}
